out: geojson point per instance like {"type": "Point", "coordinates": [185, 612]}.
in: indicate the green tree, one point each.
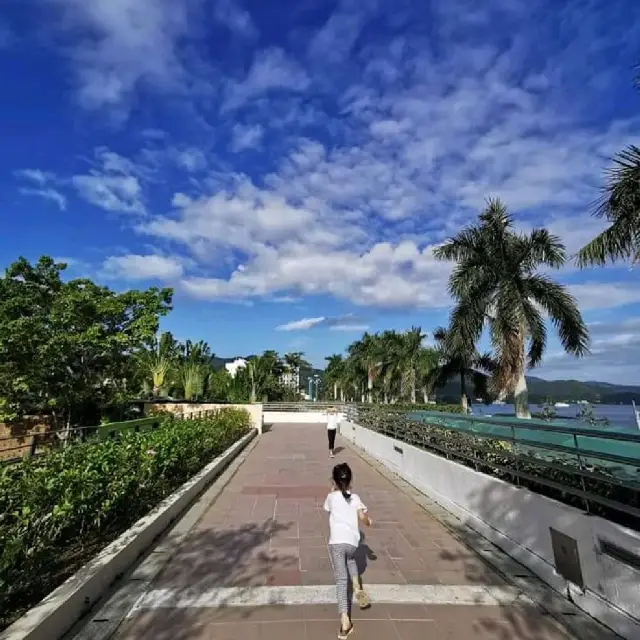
{"type": "Point", "coordinates": [365, 355]}
{"type": "Point", "coordinates": [159, 362]}
{"type": "Point", "coordinates": [334, 375]}
{"type": "Point", "coordinates": [457, 358]}
{"type": "Point", "coordinates": [496, 283]}
{"type": "Point", "coordinates": [66, 345]}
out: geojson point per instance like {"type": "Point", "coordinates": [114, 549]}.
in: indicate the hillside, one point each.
{"type": "Point", "coordinates": [561, 391]}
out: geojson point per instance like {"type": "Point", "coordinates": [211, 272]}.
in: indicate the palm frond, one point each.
{"type": "Point", "coordinates": [563, 311]}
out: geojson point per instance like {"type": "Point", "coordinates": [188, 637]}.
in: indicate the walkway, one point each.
{"type": "Point", "coordinates": [262, 545]}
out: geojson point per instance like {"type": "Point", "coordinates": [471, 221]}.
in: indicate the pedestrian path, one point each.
{"type": "Point", "coordinates": [256, 565]}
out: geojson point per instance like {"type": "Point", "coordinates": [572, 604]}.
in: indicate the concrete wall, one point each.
{"type": "Point", "coordinates": [518, 520]}
{"type": "Point", "coordinates": [187, 408]}
{"type": "Point", "coordinates": [297, 417]}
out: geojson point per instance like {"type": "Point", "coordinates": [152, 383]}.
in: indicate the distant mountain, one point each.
{"type": "Point", "coordinates": [560, 391]}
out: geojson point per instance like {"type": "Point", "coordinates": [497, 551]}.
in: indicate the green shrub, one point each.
{"type": "Point", "coordinates": [58, 509]}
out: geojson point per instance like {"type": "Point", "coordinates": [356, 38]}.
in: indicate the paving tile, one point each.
{"type": "Point", "coordinates": [268, 528]}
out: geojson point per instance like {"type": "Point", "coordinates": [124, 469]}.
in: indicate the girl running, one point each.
{"type": "Point", "coordinates": [346, 512]}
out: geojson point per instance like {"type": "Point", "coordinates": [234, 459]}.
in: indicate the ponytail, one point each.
{"type": "Point", "coordinates": [342, 479]}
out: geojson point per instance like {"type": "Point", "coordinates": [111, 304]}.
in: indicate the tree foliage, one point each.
{"type": "Point", "coordinates": [67, 345]}
{"type": "Point", "coordinates": [497, 285]}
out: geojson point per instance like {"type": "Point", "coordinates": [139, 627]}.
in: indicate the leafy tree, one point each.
{"type": "Point", "coordinates": [334, 375]}
{"type": "Point", "coordinates": [67, 345]}
{"type": "Point", "coordinates": [496, 284]}
{"type": "Point", "coordinates": [159, 362]}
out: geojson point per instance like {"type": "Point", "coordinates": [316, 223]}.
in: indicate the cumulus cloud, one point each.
{"type": "Point", "coordinates": [114, 185]}
{"type": "Point", "coordinates": [238, 20]}
{"type": "Point", "coordinates": [246, 137]}
{"type": "Point", "coordinates": [143, 267]}
{"type": "Point", "coordinates": [191, 160]}
{"type": "Point", "coordinates": [124, 46]}
{"type": "Point", "coordinates": [272, 70]}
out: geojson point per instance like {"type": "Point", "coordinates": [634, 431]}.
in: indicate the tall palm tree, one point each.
{"type": "Point", "coordinates": [496, 283]}
{"type": "Point", "coordinates": [620, 206]}
{"type": "Point", "coordinates": [427, 362]}
{"type": "Point", "coordinates": [461, 360]}
{"type": "Point", "coordinates": [366, 353]}
{"type": "Point", "coordinates": [293, 361]}
{"type": "Point", "coordinates": [334, 374]}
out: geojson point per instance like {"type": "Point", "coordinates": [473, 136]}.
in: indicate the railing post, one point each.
{"type": "Point", "coordinates": [581, 467]}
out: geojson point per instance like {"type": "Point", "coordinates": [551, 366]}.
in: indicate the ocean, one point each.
{"type": "Point", "coordinates": [620, 416]}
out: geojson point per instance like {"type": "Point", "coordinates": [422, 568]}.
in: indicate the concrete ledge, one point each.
{"type": "Point", "coordinates": [62, 608]}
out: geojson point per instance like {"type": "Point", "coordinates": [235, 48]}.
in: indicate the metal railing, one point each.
{"type": "Point", "coordinates": [302, 406]}
{"type": "Point", "coordinates": [521, 451]}
{"type": "Point", "coordinates": [36, 443]}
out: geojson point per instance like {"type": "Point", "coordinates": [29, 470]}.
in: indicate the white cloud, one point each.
{"type": "Point", "coordinates": [143, 267]}
{"type": "Point", "coordinates": [114, 185]}
{"type": "Point", "coordinates": [191, 160]}
{"type": "Point", "coordinates": [301, 325]}
{"type": "Point", "coordinates": [341, 323]}
{"type": "Point", "coordinates": [615, 353]}
{"type": "Point", "coordinates": [246, 137]}
{"type": "Point", "coordinates": [35, 175]}
{"type": "Point", "coordinates": [125, 44]}
{"type": "Point", "coordinates": [271, 70]}
{"type": "Point", "coordinates": [48, 194]}
{"type": "Point", "coordinates": [238, 20]}
{"type": "Point", "coordinates": [604, 295]}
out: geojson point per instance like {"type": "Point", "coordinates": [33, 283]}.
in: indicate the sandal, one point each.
{"type": "Point", "coordinates": [345, 633]}
{"type": "Point", "coordinates": [362, 599]}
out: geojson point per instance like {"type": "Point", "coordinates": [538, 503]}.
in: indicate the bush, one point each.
{"type": "Point", "coordinates": [497, 458]}
{"type": "Point", "coordinates": [57, 510]}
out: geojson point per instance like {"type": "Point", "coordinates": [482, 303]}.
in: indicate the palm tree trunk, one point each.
{"type": "Point", "coordinates": [413, 387]}
{"type": "Point", "coordinates": [521, 398]}
{"type": "Point", "coordinates": [369, 388]}
{"type": "Point", "coordinates": [335, 391]}
{"type": "Point", "coordinates": [463, 393]}
{"type": "Point", "coordinates": [425, 396]}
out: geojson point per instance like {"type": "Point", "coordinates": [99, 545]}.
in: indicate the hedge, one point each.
{"type": "Point", "coordinates": [497, 458]}
{"type": "Point", "coordinates": [60, 509]}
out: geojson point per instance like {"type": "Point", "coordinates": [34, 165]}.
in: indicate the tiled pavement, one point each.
{"type": "Point", "coordinates": [267, 529]}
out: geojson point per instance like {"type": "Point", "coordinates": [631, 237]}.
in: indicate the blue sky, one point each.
{"type": "Point", "coordinates": [289, 166]}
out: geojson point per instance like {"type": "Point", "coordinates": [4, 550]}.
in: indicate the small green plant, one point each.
{"type": "Point", "coordinates": [549, 412]}
{"type": "Point", "coordinates": [589, 417]}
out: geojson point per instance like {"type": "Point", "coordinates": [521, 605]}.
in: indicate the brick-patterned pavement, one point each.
{"type": "Point", "coordinates": [262, 544]}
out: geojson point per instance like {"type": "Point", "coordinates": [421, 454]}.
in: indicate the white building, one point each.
{"type": "Point", "coordinates": [233, 367]}
{"type": "Point", "coordinates": [291, 379]}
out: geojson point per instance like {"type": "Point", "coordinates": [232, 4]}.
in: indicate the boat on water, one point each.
{"type": "Point", "coordinates": [561, 405]}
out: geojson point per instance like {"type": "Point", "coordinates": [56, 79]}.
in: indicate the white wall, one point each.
{"type": "Point", "coordinates": [297, 417]}
{"type": "Point", "coordinates": [518, 520]}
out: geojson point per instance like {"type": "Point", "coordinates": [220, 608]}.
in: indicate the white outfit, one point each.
{"type": "Point", "coordinates": [332, 421]}
{"type": "Point", "coordinates": [344, 526]}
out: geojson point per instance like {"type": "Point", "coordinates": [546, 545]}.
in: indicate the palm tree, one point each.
{"type": "Point", "coordinates": [427, 362]}
{"type": "Point", "coordinates": [496, 283]}
{"type": "Point", "coordinates": [620, 206]}
{"type": "Point", "coordinates": [293, 361]}
{"type": "Point", "coordinates": [334, 374]}
{"type": "Point", "coordinates": [159, 361]}
{"type": "Point", "coordinates": [366, 355]}
{"type": "Point", "coordinates": [457, 359]}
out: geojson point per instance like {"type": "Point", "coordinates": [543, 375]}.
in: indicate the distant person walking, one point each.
{"type": "Point", "coordinates": [332, 428]}
{"type": "Point", "coordinates": [346, 512]}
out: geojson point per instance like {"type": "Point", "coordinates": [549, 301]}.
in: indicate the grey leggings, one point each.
{"type": "Point", "coordinates": [343, 559]}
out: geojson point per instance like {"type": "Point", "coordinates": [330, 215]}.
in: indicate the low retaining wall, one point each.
{"type": "Point", "coordinates": [187, 408]}
{"type": "Point", "coordinates": [520, 522]}
{"type": "Point", "coordinates": [61, 609]}
{"type": "Point", "coordinates": [297, 417]}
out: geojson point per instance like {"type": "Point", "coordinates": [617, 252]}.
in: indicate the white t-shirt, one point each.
{"type": "Point", "coordinates": [344, 527]}
{"type": "Point", "coordinates": [332, 421]}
